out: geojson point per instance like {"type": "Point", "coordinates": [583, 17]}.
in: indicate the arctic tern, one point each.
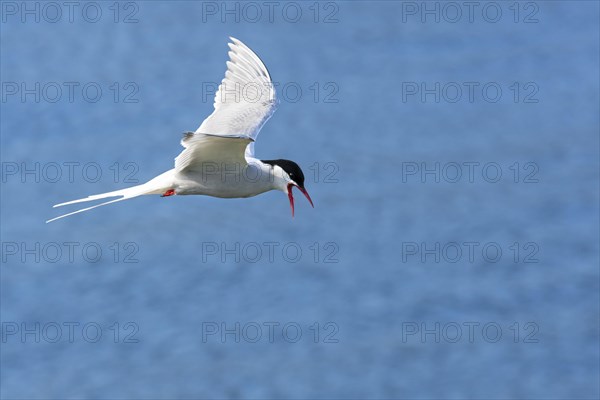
{"type": "Point", "coordinates": [218, 158]}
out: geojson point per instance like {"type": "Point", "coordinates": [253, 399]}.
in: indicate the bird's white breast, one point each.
{"type": "Point", "coordinates": [228, 180]}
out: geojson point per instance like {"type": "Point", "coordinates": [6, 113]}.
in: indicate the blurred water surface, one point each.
{"type": "Point", "coordinates": [360, 132]}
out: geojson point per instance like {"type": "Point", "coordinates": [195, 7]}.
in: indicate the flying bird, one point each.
{"type": "Point", "coordinates": [218, 158]}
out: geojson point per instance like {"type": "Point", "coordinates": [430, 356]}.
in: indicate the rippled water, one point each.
{"type": "Point", "coordinates": [421, 272]}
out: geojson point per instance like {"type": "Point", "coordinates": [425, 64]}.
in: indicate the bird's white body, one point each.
{"type": "Point", "coordinates": [218, 158]}
{"type": "Point", "coordinates": [231, 180]}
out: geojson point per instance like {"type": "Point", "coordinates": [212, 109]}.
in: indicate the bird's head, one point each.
{"type": "Point", "coordinates": [288, 175]}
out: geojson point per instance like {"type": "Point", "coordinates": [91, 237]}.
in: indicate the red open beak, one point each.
{"type": "Point", "coordinates": [291, 196]}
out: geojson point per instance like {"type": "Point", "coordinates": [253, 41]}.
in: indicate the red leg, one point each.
{"type": "Point", "coordinates": [169, 192]}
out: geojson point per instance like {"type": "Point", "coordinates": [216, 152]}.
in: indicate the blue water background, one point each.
{"type": "Point", "coordinates": [369, 134]}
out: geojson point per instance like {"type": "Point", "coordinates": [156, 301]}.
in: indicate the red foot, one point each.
{"type": "Point", "coordinates": [169, 192]}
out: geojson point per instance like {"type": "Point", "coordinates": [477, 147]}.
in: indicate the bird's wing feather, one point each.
{"type": "Point", "coordinates": [245, 99]}
{"type": "Point", "coordinates": [201, 150]}
{"type": "Point", "coordinates": [244, 102]}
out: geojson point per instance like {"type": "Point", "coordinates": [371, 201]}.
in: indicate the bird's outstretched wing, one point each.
{"type": "Point", "coordinates": [245, 99]}
{"type": "Point", "coordinates": [203, 151]}
{"type": "Point", "coordinates": [243, 103]}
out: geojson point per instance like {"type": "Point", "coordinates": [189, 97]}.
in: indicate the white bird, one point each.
{"type": "Point", "coordinates": [218, 158]}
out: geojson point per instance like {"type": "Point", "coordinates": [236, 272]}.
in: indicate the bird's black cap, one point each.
{"type": "Point", "coordinates": [291, 168]}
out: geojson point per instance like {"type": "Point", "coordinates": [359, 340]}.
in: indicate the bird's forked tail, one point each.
{"type": "Point", "coordinates": [158, 185]}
